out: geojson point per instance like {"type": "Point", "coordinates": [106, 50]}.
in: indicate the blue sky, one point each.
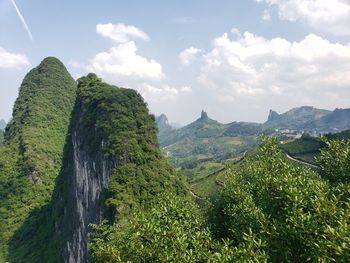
{"type": "Point", "coordinates": [235, 59]}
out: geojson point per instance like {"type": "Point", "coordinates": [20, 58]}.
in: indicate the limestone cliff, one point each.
{"type": "Point", "coordinates": [87, 175]}
{"type": "Point", "coordinates": [113, 162]}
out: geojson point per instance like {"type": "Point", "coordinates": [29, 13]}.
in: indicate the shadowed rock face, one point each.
{"type": "Point", "coordinates": [272, 115]}
{"type": "Point", "coordinates": [87, 174]}
{"type": "Point", "coordinates": [204, 115]}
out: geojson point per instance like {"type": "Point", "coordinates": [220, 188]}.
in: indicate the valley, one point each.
{"type": "Point", "coordinates": [205, 148]}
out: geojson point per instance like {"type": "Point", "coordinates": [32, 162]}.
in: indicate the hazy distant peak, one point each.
{"type": "Point", "coordinates": [2, 124]}
{"type": "Point", "coordinates": [272, 115]}
{"type": "Point", "coordinates": [204, 115]}
{"type": "Point", "coordinates": [162, 119]}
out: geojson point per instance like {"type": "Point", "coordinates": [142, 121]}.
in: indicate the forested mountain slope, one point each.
{"type": "Point", "coordinates": [75, 153]}
{"type": "Point", "coordinates": [31, 159]}
{"type": "Point", "coordinates": [114, 165]}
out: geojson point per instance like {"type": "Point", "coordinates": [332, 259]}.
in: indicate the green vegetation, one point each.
{"type": "Point", "coordinates": [32, 178]}
{"type": "Point", "coordinates": [335, 161]}
{"type": "Point", "coordinates": [308, 148]}
{"type": "Point", "coordinates": [121, 120]}
{"type": "Point", "coordinates": [1, 137]}
{"type": "Point", "coordinates": [31, 159]}
{"type": "Point", "coordinates": [269, 210]}
{"type": "Point", "coordinates": [297, 216]}
{"type": "Point", "coordinates": [172, 230]}
{"type": "Point", "coordinates": [243, 129]}
{"type": "Point", "coordinates": [208, 140]}
{"type": "Point", "coordinates": [206, 188]}
{"type": "Point", "coordinates": [258, 207]}
{"type": "Point", "coordinates": [344, 135]}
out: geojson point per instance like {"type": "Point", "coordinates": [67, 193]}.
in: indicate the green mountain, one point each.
{"type": "Point", "coordinates": [89, 154]}
{"type": "Point", "coordinates": [31, 159]}
{"type": "Point", "coordinates": [296, 118]}
{"type": "Point", "coordinates": [82, 179]}
{"type": "Point", "coordinates": [206, 139]}
{"type": "Point", "coordinates": [335, 121]}
{"type": "Point", "coordinates": [114, 165]}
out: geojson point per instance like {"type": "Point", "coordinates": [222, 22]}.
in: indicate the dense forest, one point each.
{"type": "Point", "coordinates": [31, 159]}
{"type": "Point", "coordinates": [269, 210]}
{"type": "Point", "coordinates": [83, 179]}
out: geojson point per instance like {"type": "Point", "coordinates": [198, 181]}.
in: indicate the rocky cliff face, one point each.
{"type": "Point", "coordinates": [110, 129]}
{"type": "Point", "coordinates": [87, 176]}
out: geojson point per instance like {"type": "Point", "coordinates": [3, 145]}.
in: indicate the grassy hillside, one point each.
{"type": "Point", "coordinates": [32, 156]}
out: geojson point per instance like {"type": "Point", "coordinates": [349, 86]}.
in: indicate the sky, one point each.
{"type": "Point", "coordinates": [236, 59]}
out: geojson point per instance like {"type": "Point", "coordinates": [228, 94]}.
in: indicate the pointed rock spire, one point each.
{"type": "Point", "coordinates": [204, 115]}
{"type": "Point", "coordinates": [272, 115]}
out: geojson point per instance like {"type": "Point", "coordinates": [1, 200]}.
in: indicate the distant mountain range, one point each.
{"type": "Point", "coordinates": [310, 119]}
{"type": "Point", "coordinates": [296, 118]}
{"type": "Point", "coordinates": [206, 138]}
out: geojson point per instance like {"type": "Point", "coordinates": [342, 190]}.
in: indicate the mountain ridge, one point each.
{"type": "Point", "coordinates": [71, 160]}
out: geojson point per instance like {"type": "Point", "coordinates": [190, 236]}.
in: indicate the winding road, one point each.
{"type": "Point", "coordinates": [302, 162]}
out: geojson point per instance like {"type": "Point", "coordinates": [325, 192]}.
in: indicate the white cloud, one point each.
{"type": "Point", "coordinates": [188, 55]}
{"type": "Point", "coordinates": [123, 66]}
{"type": "Point", "coordinates": [12, 60]}
{"type": "Point", "coordinates": [162, 92]}
{"type": "Point", "coordinates": [325, 15]}
{"type": "Point", "coordinates": [251, 67]}
{"type": "Point", "coordinates": [121, 33]}
{"type": "Point", "coordinates": [123, 60]}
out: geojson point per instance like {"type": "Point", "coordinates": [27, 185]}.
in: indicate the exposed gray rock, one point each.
{"type": "Point", "coordinates": [87, 175]}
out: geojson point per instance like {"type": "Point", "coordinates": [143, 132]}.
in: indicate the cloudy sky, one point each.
{"type": "Point", "coordinates": [234, 58]}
